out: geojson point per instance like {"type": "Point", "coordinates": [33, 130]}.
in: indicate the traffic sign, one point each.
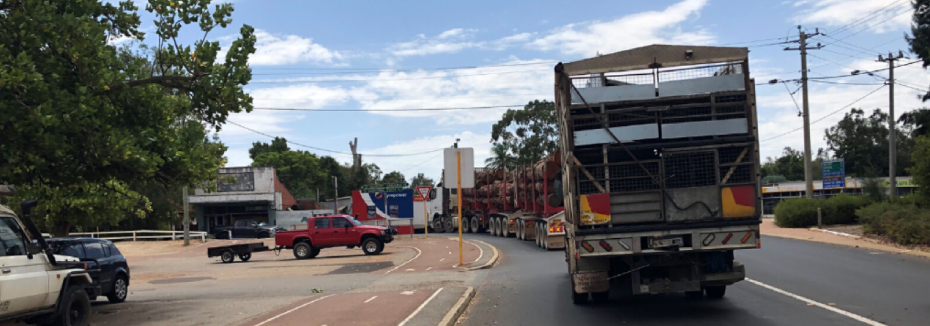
{"type": "Point", "coordinates": [834, 173]}
{"type": "Point", "coordinates": [424, 192]}
{"type": "Point", "coordinates": [454, 159]}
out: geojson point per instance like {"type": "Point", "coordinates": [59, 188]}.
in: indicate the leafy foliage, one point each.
{"type": "Point", "coordinates": [863, 141]}
{"type": "Point", "coordinates": [421, 180]}
{"type": "Point", "coordinates": [917, 121]}
{"type": "Point", "coordinates": [528, 135]}
{"type": "Point", "coordinates": [299, 171]}
{"type": "Point", "coordinates": [790, 166]}
{"type": "Point", "coordinates": [802, 212]}
{"type": "Point", "coordinates": [901, 220]}
{"type": "Point", "coordinates": [921, 168]}
{"type": "Point", "coordinates": [500, 157]}
{"type": "Point", "coordinates": [277, 145]}
{"type": "Point", "coordinates": [84, 120]}
{"type": "Point", "coordinates": [394, 177]}
{"type": "Point", "coordinates": [920, 33]}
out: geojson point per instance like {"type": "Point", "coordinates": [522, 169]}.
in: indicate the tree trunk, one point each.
{"type": "Point", "coordinates": [61, 230]}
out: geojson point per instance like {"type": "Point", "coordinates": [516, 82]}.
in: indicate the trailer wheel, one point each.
{"type": "Point", "coordinates": [228, 256]}
{"type": "Point", "coordinates": [538, 243]}
{"type": "Point", "coordinates": [716, 292]}
{"type": "Point", "coordinates": [578, 298]}
{"type": "Point", "coordinates": [245, 257]}
{"type": "Point", "coordinates": [497, 227]}
{"type": "Point", "coordinates": [505, 228]}
{"type": "Point", "coordinates": [475, 225]}
{"type": "Point", "coordinates": [518, 232]}
{"type": "Point", "coordinates": [465, 226]}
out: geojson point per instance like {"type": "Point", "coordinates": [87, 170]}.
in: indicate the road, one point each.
{"type": "Point", "coordinates": [531, 287]}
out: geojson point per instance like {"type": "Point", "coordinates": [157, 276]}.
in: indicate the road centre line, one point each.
{"type": "Point", "coordinates": [812, 302]}
{"type": "Point", "coordinates": [405, 263]}
{"type": "Point", "coordinates": [292, 310]}
{"type": "Point", "coordinates": [415, 312]}
{"type": "Point", "coordinates": [372, 298]}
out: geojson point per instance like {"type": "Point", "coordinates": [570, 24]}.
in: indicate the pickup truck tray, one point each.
{"type": "Point", "coordinates": [245, 248]}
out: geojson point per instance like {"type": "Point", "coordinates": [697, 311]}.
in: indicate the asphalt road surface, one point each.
{"type": "Point", "coordinates": [790, 282]}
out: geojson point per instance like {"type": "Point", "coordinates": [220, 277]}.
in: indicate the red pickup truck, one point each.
{"type": "Point", "coordinates": [332, 231]}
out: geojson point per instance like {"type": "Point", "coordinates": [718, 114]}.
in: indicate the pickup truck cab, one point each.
{"type": "Point", "coordinates": [332, 231]}
{"type": "Point", "coordinates": [245, 229]}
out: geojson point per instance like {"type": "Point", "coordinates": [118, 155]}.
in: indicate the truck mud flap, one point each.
{"type": "Point", "coordinates": [590, 282]}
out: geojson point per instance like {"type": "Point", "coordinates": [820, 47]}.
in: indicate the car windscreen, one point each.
{"type": "Point", "coordinates": [356, 222]}
{"type": "Point", "coordinates": [67, 248]}
{"type": "Point", "coordinates": [12, 242]}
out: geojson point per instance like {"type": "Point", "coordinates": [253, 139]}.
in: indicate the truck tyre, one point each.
{"type": "Point", "coordinates": [521, 233]}
{"type": "Point", "coordinates": [466, 228]}
{"type": "Point", "coordinates": [505, 228]}
{"type": "Point", "coordinates": [120, 289]}
{"type": "Point", "coordinates": [245, 257]}
{"type": "Point", "coordinates": [75, 308]}
{"type": "Point", "coordinates": [263, 235]}
{"type": "Point", "coordinates": [303, 250]}
{"type": "Point", "coordinates": [496, 227]}
{"type": "Point", "coordinates": [600, 297]}
{"type": "Point", "coordinates": [715, 292]}
{"type": "Point", "coordinates": [228, 256]}
{"type": "Point", "coordinates": [372, 246]}
{"type": "Point", "coordinates": [538, 237]}
{"type": "Point", "coordinates": [437, 224]}
{"type": "Point", "coordinates": [448, 225]}
{"type": "Point", "coordinates": [579, 298]}
{"type": "Point", "coordinates": [475, 225]}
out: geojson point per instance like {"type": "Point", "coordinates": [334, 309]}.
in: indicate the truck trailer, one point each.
{"type": "Point", "coordinates": [660, 163]}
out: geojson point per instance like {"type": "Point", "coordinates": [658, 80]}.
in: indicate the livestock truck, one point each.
{"type": "Point", "coordinates": [522, 203]}
{"type": "Point", "coordinates": [660, 163]}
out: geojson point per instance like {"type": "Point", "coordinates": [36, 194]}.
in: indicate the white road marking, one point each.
{"type": "Point", "coordinates": [410, 270]}
{"type": "Point", "coordinates": [442, 259]}
{"type": "Point", "coordinates": [815, 303]}
{"type": "Point", "coordinates": [480, 252]}
{"type": "Point", "coordinates": [408, 292]}
{"type": "Point", "coordinates": [405, 263]}
{"type": "Point", "coordinates": [429, 268]}
{"type": "Point", "coordinates": [415, 312]}
{"type": "Point", "coordinates": [292, 310]}
{"type": "Point", "coordinates": [450, 252]}
{"type": "Point", "coordinates": [372, 298]}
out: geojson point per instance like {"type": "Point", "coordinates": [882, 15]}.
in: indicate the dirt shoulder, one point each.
{"type": "Point", "coordinates": [839, 236]}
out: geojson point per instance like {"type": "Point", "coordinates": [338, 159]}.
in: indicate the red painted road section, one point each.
{"type": "Point", "coordinates": [441, 254]}
{"type": "Point", "coordinates": [381, 309]}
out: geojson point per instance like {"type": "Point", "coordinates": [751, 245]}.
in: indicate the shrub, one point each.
{"type": "Point", "coordinates": [802, 212]}
{"type": "Point", "coordinates": [903, 222]}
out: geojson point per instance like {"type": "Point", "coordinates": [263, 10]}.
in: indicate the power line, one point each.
{"type": "Point", "coordinates": [394, 110]}
{"type": "Point", "coordinates": [831, 113]}
{"type": "Point", "coordinates": [870, 27]}
{"type": "Point", "coordinates": [868, 17]}
{"type": "Point", "coordinates": [424, 162]}
{"type": "Point", "coordinates": [837, 83]}
{"type": "Point", "coordinates": [398, 79]}
{"type": "Point", "coordinates": [792, 97]}
{"type": "Point", "coordinates": [328, 150]}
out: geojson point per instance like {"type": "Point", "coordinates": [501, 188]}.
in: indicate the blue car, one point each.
{"type": "Point", "coordinates": [108, 266]}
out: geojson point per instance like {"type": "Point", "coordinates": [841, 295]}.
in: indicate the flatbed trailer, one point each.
{"type": "Point", "coordinates": [243, 250]}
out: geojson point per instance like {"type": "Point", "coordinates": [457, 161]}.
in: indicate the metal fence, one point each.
{"type": "Point", "coordinates": [393, 222]}
{"type": "Point", "coordinates": [137, 235]}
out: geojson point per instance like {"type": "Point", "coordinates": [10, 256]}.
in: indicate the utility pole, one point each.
{"type": "Point", "coordinates": [808, 177]}
{"type": "Point", "coordinates": [187, 220]}
{"type": "Point", "coordinates": [336, 194]}
{"type": "Point", "coordinates": [892, 133]}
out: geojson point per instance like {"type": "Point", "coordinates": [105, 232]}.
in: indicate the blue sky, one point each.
{"type": "Point", "coordinates": [382, 56]}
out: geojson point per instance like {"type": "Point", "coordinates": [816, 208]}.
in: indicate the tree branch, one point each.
{"type": "Point", "coordinates": [167, 81]}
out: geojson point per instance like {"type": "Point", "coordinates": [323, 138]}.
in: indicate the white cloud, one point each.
{"type": "Point", "coordinates": [892, 14]}
{"type": "Point", "coordinates": [275, 49]}
{"type": "Point", "coordinates": [308, 96]}
{"type": "Point", "coordinates": [651, 27]}
{"type": "Point", "coordinates": [450, 41]}
{"type": "Point", "coordinates": [428, 164]}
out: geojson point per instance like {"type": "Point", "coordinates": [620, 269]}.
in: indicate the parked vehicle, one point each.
{"type": "Point", "coordinates": [37, 285]}
{"type": "Point", "coordinates": [244, 251]}
{"type": "Point", "coordinates": [246, 229]}
{"type": "Point", "coordinates": [660, 163]}
{"type": "Point", "coordinates": [333, 231]}
{"type": "Point", "coordinates": [107, 265]}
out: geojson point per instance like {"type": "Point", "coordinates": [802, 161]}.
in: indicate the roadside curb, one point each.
{"type": "Point", "coordinates": [453, 315]}
{"type": "Point", "coordinates": [882, 247]}
{"type": "Point", "coordinates": [494, 257]}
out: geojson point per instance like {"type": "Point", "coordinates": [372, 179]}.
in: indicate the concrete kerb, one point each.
{"type": "Point", "coordinates": [453, 315]}
{"type": "Point", "coordinates": [494, 257]}
{"type": "Point", "coordinates": [879, 246]}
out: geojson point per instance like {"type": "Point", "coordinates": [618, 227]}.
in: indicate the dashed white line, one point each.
{"type": "Point", "coordinates": [429, 268]}
{"type": "Point", "coordinates": [415, 312]}
{"type": "Point", "coordinates": [815, 303]}
{"type": "Point", "coordinates": [372, 298]}
{"type": "Point", "coordinates": [442, 259]}
{"type": "Point", "coordinates": [405, 263]}
{"type": "Point", "coordinates": [292, 310]}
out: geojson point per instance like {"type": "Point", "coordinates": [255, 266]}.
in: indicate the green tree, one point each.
{"type": "Point", "coordinates": [863, 142]}
{"type": "Point", "coordinates": [921, 168]}
{"type": "Point", "coordinates": [919, 39]}
{"type": "Point", "coordinates": [394, 178]}
{"type": "Point", "coordinates": [529, 134]}
{"type": "Point", "coordinates": [91, 119]}
{"type": "Point", "coordinates": [278, 144]}
{"type": "Point", "coordinates": [421, 180]}
{"type": "Point", "coordinates": [500, 157]}
{"type": "Point", "coordinates": [917, 122]}
{"type": "Point", "coordinates": [299, 171]}
{"type": "Point", "coordinates": [790, 165]}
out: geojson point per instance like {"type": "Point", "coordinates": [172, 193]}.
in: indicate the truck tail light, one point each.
{"type": "Point", "coordinates": [605, 245]}
{"type": "Point", "coordinates": [727, 239]}
{"type": "Point", "coordinates": [746, 237]}
{"type": "Point", "coordinates": [556, 229]}
{"type": "Point", "coordinates": [587, 246]}
{"type": "Point", "coordinates": [758, 241]}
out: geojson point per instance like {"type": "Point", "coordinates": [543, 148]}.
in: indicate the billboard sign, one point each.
{"type": "Point", "coordinates": [834, 173]}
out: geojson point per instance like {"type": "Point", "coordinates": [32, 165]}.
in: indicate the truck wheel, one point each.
{"type": "Point", "coordinates": [120, 289]}
{"type": "Point", "coordinates": [538, 236]}
{"type": "Point", "coordinates": [521, 233]}
{"type": "Point", "coordinates": [715, 292]}
{"type": "Point", "coordinates": [303, 250]}
{"type": "Point", "coordinates": [600, 297]}
{"type": "Point", "coordinates": [465, 225]}
{"type": "Point", "coordinates": [475, 225]}
{"type": "Point", "coordinates": [578, 298]}
{"type": "Point", "coordinates": [263, 235]}
{"type": "Point", "coordinates": [228, 256]}
{"type": "Point", "coordinates": [437, 225]}
{"type": "Point", "coordinates": [495, 227]}
{"type": "Point", "coordinates": [448, 225]}
{"type": "Point", "coordinates": [505, 228]}
{"type": "Point", "coordinates": [372, 246]}
{"type": "Point", "coordinates": [75, 308]}
{"type": "Point", "coordinates": [245, 257]}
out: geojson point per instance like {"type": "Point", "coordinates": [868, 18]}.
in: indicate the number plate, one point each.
{"type": "Point", "coordinates": [665, 242]}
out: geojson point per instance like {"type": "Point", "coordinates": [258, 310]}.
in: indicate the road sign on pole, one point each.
{"type": "Point", "coordinates": [450, 173]}
{"type": "Point", "coordinates": [834, 173]}
{"type": "Point", "coordinates": [424, 193]}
